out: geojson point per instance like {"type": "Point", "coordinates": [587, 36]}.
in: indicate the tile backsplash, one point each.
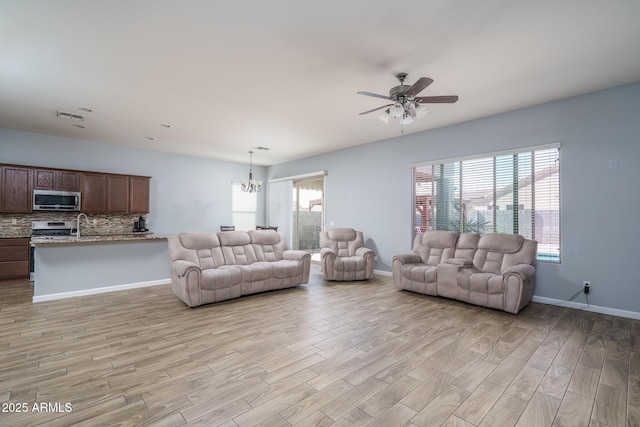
{"type": "Point", "coordinates": [105, 224]}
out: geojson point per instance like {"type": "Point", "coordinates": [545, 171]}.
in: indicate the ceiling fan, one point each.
{"type": "Point", "coordinates": [405, 104]}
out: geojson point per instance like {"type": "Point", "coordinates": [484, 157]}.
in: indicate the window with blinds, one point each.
{"type": "Point", "coordinates": [244, 208]}
{"type": "Point", "coordinates": [508, 192]}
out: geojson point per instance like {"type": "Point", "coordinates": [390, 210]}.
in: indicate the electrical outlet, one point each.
{"type": "Point", "coordinates": [14, 221]}
{"type": "Point", "coordinates": [95, 221]}
{"type": "Point", "coordinates": [586, 287]}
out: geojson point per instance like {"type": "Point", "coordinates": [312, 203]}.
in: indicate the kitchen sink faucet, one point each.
{"type": "Point", "coordinates": [78, 223]}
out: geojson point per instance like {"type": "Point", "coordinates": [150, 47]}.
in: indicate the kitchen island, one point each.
{"type": "Point", "coordinates": [86, 265]}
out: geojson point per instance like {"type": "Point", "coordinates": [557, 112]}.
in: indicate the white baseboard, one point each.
{"type": "Point", "coordinates": [585, 307]}
{"type": "Point", "coordinates": [51, 297]}
{"type": "Point", "coordinates": [383, 273]}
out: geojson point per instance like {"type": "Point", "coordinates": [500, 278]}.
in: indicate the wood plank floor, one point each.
{"type": "Point", "coordinates": [326, 354]}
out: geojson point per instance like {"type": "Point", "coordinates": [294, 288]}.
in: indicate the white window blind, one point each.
{"type": "Point", "coordinates": [514, 193]}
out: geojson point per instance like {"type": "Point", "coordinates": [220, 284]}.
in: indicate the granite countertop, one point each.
{"type": "Point", "coordinates": [129, 237]}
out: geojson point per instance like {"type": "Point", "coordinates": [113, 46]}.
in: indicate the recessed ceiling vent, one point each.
{"type": "Point", "coordinates": [70, 116]}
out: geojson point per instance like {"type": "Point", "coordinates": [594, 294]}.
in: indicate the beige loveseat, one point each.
{"type": "Point", "coordinates": [343, 255]}
{"type": "Point", "coordinates": [210, 267]}
{"type": "Point", "coordinates": [490, 270]}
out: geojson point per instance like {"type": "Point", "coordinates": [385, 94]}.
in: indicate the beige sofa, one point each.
{"type": "Point", "coordinates": [343, 255]}
{"type": "Point", "coordinates": [208, 267]}
{"type": "Point", "coordinates": [490, 270]}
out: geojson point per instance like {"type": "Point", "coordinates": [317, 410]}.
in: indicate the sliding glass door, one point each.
{"type": "Point", "coordinates": [308, 213]}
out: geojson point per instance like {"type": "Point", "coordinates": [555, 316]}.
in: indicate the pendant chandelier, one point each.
{"type": "Point", "coordinates": [252, 186]}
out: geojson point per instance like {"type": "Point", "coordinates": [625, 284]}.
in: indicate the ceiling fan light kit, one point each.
{"type": "Point", "coordinates": [406, 106]}
{"type": "Point", "coordinates": [396, 110]}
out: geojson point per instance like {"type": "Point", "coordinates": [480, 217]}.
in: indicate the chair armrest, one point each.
{"type": "Point", "coordinates": [364, 252]}
{"type": "Point", "coordinates": [327, 252]}
{"type": "Point", "coordinates": [182, 267]}
{"type": "Point", "coordinates": [526, 272]}
{"type": "Point", "coordinates": [295, 255]}
{"type": "Point", "coordinates": [462, 262]}
{"type": "Point", "coordinates": [411, 258]}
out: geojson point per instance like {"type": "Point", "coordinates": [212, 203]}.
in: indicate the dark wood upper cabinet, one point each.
{"type": "Point", "coordinates": [93, 187]}
{"type": "Point", "coordinates": [16, 186]}
{"type": "Point", "coordinates": [68, 180]}
{"type": "Point", "coordinates": [53, 179]}
{"type": "Point", "coordinates": [100, 192]}
{"type": "Point", "coordinates": [44, 179]}
{"type": "Point", "coordinates": [117, 193]}
{"type": "Point", "coordinates": [139, 194]}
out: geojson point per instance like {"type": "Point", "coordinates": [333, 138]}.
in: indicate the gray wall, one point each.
{"type": "Point", "coordinates": [369, 187]}
{"type": "Point", "coordinates": [187, 193]}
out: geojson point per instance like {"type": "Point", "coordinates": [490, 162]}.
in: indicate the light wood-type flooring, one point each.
{"type": "Point", "coordinates": [325, 354]}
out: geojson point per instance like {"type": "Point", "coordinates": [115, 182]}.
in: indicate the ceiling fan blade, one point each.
{"type": "Point", "coordinates": [419, 86]}
{"type": "Point", "coordinates": [447, 99]}
{"type": "Point", "coordinates": [375, 95]}
{"type": "Point", "coordinates": [376, 109]}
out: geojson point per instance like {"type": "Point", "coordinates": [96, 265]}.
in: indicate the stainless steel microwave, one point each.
{"type": "Point", "coordinates": [51, 200]}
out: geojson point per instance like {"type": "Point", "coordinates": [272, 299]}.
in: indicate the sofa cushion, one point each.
{"type": "Point", "coordinates": [503, 243]}
{"type": "Point", "coordinates": [343, 241]}
{"type": "Point", "coordinates": [199, 240]}
{"type": "Point", "coordinates": [466, 246]}
{"type": "Point", "coordinates": [264, 237]}
{"type": "Point", "coordinates": [497, 252]}
{"type": "Point", "coordinates": [202, 248]}
{"type": "Point", "coordinates": [221, 277]}
{"type": "Point", "coordinates": [435, 246]}
{"type": "Point", "coordinates": [268, 245]}
{"type": "Point", "coordinates": [342, 234]}
{"type": "Point", "coordinates": [237, 248]}
{"type": "Point", "coordinates": [287, 268]}
{"type": "Point", "coordinates": [419, 272]}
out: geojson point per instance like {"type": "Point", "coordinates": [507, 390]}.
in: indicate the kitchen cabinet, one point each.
{"type": "Point", "coordinates": [93, 187]}
{"type": "Point", "coordinates": [16, 186]}
{"type": "Point", "coordinates": [117, 193]}
{"type": "Point", "coordinates": [54, 179]}
{"type": "Point", "coordinates": [139, 194]}
{"type": "Point", "coordinates": [14, 258]}
{"type": "Point", "coordinates": [100, 192]}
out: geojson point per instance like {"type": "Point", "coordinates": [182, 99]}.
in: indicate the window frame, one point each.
{"type": "Point", "coordinates": [441, 195]}
{"type": "Point", "coordinates": [236, 189]}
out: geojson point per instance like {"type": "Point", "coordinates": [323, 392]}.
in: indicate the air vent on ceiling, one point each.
{"type": "Point", "coordinates": [69, 116]}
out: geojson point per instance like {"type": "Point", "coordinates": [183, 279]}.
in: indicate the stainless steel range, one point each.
{"type": "Point", "coordinates": [50, 230]}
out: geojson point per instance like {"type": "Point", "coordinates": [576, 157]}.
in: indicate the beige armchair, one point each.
{"type": "Point", "coordinates": [344, 256]}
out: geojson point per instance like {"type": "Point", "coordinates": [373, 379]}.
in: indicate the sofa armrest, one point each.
{"type": "Point", "coordinates": [295, 255]}
{"type": "Point", "coordinates": [364, 252]}
{"type": "Point", "coordinates": [461, 262]}
{"type": "Point", "coordinates": [411, 258]}
{"type": "Point", "coordinates": [185, 280]}
{"type": "Point", "coordinates": [182, 267]}
{"type": "Point", "coordinates": [303, 257]}
{"type": "Point", "coordinates": [526, 272]}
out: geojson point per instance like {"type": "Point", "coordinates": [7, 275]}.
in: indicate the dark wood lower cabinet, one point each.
{"type": "Point", "coordinates": [14, 258]}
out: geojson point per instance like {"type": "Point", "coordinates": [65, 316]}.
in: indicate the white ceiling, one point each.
{"type": "Point", "coordinates": [229, 76]}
